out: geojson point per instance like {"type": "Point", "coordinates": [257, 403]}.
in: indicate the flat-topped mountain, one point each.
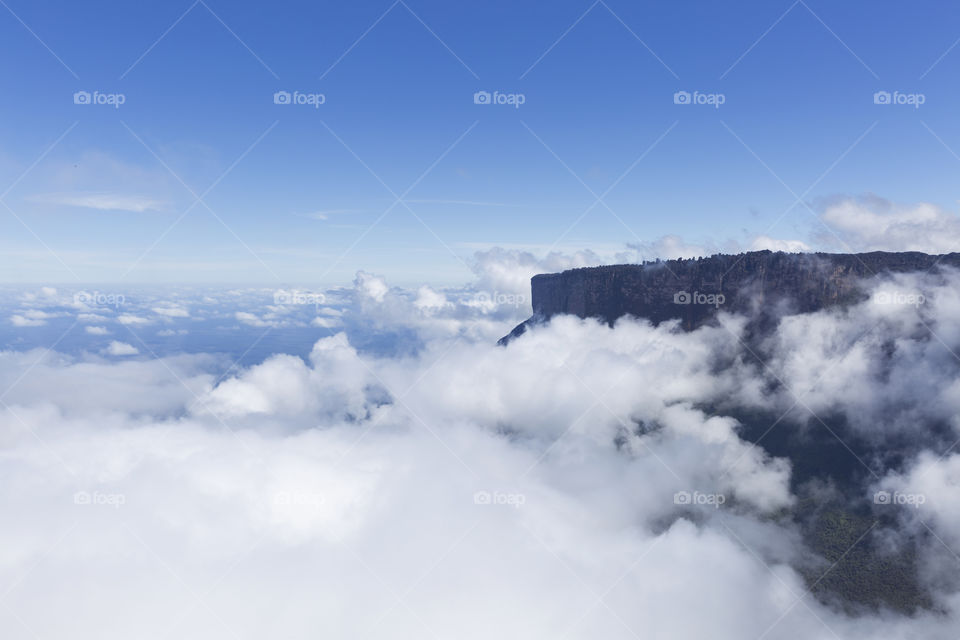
{"type": "Point", "coordinates": [834, 466]}
{"type": "Point", "coordinates": [757, 284]}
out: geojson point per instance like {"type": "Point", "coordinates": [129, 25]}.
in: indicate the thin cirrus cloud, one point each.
{"type": "Point", "coordinates": [102, 201]}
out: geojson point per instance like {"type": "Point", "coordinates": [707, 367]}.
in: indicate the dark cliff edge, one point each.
{"type": "Point", "coordinates": [758, 284]}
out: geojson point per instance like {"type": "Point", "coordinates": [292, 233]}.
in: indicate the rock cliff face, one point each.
{"type": "Point", "coordinates": [758, 284]}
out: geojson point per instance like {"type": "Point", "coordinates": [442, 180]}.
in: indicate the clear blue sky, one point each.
{"type": "Point", "coordinates": [107, 203]}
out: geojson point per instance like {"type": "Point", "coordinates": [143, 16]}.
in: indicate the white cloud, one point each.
{"type": "Point", "coordinates": [326, 322]}
{"type": "Point", "coordinates": [671, 247]}
{"type": "Point", "coordinates": [43, 294]}
{"type": "Point", "coordinates": [326, 486]}
{"type": "Point", "coordinates": [509, 271]}
{"type": "Point", "coordinates": [31, 318]}
{"type": "Point", "coordinates": [250, 319]}
{"type": "Point", "coordinates": [118, 348]}
{"type": "Point", "coordinates": [430, 300]}
{"type": "Point", "coordinates": [92, 317]}
{"type": "Point", "coordinates": [295, 464]}
{"type": "Point", "coordinates": [874, 224]}
{"type": "Point", "coordinates": [172, 311]}
{"type": "Point", "coordinates": [21, 321]}
{"type": "Point", "coordinates": [761, 243]}
{"type": "Point", "coordinates": [97, 331]}
{"type": "Point", "coordinates": [371, 286]}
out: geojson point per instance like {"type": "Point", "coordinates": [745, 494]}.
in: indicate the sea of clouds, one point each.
{"type": "Point", "coordinates": [397, 474]}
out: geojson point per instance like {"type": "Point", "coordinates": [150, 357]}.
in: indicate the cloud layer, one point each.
{"type": "Point", "coordinates": [586, 481]}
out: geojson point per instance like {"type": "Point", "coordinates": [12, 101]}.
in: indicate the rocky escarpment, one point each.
{"type": "Point", "coordinates": [759, 284]}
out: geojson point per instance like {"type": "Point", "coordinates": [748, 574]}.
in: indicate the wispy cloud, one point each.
{"type": "Point", "coordinates": [101, 201]}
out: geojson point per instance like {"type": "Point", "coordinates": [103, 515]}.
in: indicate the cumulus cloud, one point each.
{"type": "Point", "coordinates": [671, 247]}
{"type": "Point", "coordinates": [172, 311]}
{"type": "Point", "coordinates": [509, 271]}
{"type": "Point", "coordinates": [131, 319]}
{"type": "Point", "coordinates": [428, 299]}
{"type": "Point", "coordinates": [117, 348]}
{"type": "Point", "coordinates": [766, 243]}
{"type": "Point", "coordinates": [871, 223]}
{"type": "Point", "coordinates": [325, 322]}
{"type": "Point", "coordinates": [27, 320]}
{"type": "Point", "coordinates": [371, 286]}
{"type": "Point", "coordinates": [269, 319]}
{"type": "Point", "coordinates": [43, 294]}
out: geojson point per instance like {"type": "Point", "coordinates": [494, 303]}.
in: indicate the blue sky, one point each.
{"type": "Point", "coordinates": [297, 193]}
